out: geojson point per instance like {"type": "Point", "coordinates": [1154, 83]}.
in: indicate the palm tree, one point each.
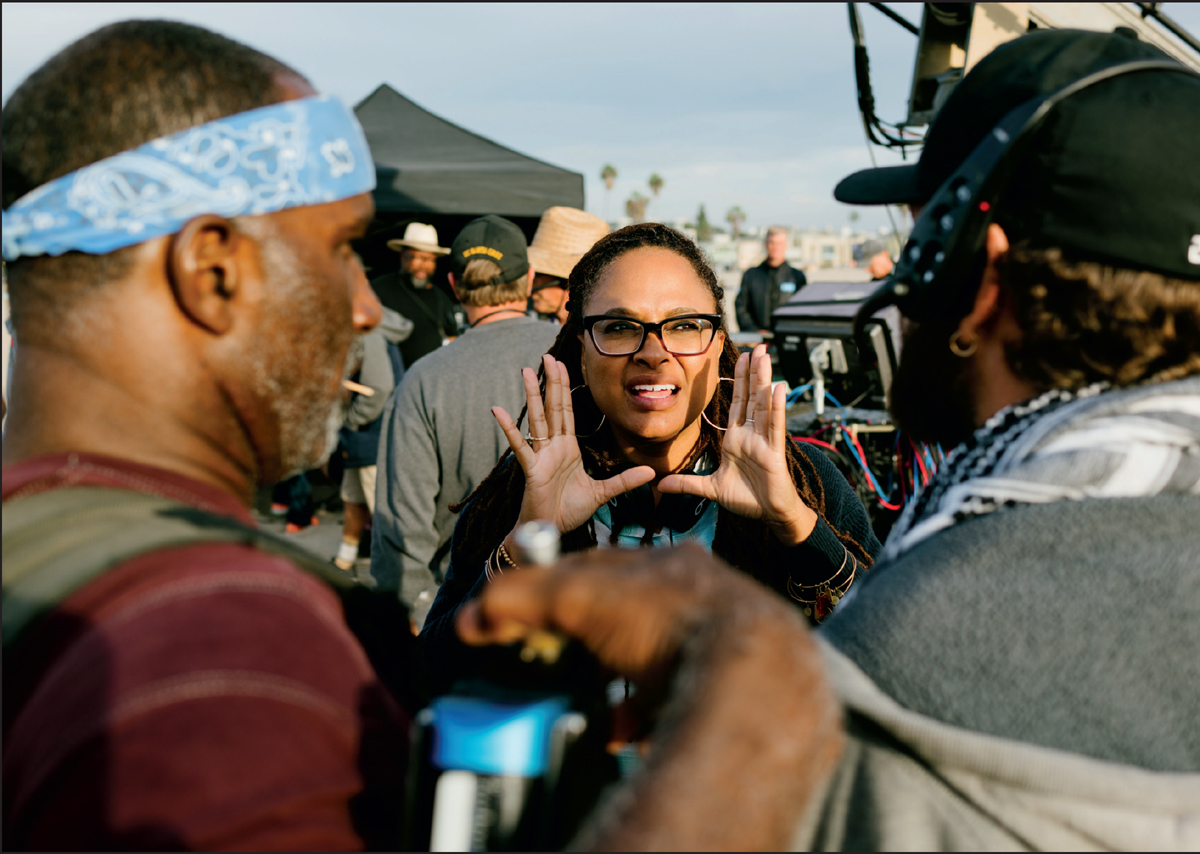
{"type": "Point", "coordinates": [656, 184]}
{"type": "Point", "coordinates": [736, 216]}
{"type": "Point", "coordinates": [703, 228]}
{"type": "Point", "coordinates": [635, 208]}
{"type": "Point", "coordinates": [608, 174]}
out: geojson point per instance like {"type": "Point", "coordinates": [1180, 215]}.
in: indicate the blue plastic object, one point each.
{"type": "Point", "coordinates": [490, 737]}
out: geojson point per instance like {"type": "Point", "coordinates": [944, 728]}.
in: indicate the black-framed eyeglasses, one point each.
{"type": "Point", "coordinates": [686, 335]}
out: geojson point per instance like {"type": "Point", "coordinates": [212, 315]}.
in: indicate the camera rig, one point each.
{"type": "Point", "coordinates": [821, 359]}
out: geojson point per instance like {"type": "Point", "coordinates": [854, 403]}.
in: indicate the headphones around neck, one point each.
{"type": "Point", "coordinates": [943, 251]}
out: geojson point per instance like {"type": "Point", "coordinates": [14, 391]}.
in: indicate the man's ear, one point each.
{"type": "Point", "coordinates": [206, 264]}
{"type": "Point", "coordinates": [529, 284]}
{"type": "Point", "coordinates": [987, 298]}
{"type": "Point", "coordinates": [450, 276]}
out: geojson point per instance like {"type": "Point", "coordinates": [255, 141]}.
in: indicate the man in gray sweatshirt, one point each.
{"type": "Point", "coordinates": [439, 438]}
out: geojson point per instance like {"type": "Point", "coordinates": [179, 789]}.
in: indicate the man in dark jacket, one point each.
{"type": "Point", "coordinates": [769, 285]}
{"type": "Point", "coordinates": [410, 291]}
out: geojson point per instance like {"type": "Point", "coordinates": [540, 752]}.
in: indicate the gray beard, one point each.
{"type": "Point", "coordinates": [308, 419]}
{"type": "Point", "coordinates": [296, 461]}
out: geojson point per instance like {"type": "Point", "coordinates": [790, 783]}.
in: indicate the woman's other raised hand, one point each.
{"type": "Point", "coordinates": [753, 479]}
{"type": "Point", "coordinates": [557, 487]}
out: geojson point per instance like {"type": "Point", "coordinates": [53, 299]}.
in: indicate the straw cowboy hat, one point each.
{"type": "Point", "coordinates": [562, 238]}
{"type": "Point", "coordinates": [419, 236]}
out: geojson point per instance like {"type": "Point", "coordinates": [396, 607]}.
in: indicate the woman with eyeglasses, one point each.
{"type": "Point", "coordinates": [646, 428]}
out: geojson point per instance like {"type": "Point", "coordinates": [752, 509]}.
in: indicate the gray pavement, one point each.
{"type": "Point", "coordinates": [321, 539]}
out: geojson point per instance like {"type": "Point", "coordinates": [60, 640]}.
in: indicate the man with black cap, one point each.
{"type": "Point", "coordinates": [1019, 668]}
{"type": "Point", "coordinates": [439, 438]}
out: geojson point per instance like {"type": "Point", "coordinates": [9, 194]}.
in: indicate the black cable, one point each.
{"type": "Point", "coordinates": [902, 21]}
{"type": "Point", "coordinates": [1154, 10]}
{"type": "Point", "coordinates": [875, 130]}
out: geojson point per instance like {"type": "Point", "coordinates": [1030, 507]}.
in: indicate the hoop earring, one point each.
{"type": "Point", "coordinates": [704, 415]}
{"type": "Point", "coordinates": [961, 351]}
{"type": "Point", "coordinates": [598, 426]}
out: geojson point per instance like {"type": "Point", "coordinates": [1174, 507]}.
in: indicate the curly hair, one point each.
{"type": "Point", "coordinates": [1084, 321]}
{"type": "Point", "coordinates": [493, 508]}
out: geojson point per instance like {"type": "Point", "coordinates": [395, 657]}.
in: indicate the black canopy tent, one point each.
{"type": "Point", "coordinates": [431, 170]}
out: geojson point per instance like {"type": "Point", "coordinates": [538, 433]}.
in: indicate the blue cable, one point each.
{"type": "Point", "coordinates": [863, 464]}
{"type": "Point", "coordinates": [795, 393]}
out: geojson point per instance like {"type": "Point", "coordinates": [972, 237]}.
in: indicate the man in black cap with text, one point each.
{"type": "Point", "coordinates": [439, 437]}
{"type": "Point", "coordinates": [1018, 670]}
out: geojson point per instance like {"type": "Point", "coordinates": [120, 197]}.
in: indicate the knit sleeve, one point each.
{"type": "Point", "coordinates": [843, 510]}
{"type": "Point", "coordinates": [824, 556]}
{"type": "Point", "coordinates": [447, 657]}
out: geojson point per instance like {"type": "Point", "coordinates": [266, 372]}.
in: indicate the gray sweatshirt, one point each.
{"type": "Point", "coordinates": [1023, 680]}
{"type": "Point", "coordinates": [439, 442]}
{"type": "Point", "coordinates": [369, 359]}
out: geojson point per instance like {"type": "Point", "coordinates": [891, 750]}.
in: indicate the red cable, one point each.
{"type": "Point", "coordinates": [812, 441]}
{"type": "Point", "coordinates": [862, 455]}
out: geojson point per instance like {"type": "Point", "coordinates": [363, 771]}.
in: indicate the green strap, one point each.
{"type": "Point", "coordinates": [55, 542]}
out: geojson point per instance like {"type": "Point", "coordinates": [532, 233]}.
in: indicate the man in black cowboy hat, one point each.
{"type": "Point", "coordinates": [1018, 670]}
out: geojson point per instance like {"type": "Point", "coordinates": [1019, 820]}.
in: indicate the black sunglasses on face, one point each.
{"type": "Point", "coordinates": [686, 335]}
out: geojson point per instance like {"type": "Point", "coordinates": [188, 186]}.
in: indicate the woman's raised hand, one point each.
{"type": "Point", "coordinates": [753, 479]}
{"type": "Point", "coordinates": [557, 487]}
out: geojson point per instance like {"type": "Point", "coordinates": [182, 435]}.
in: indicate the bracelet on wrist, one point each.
{"type": "Point", "coordinates": [819, 599]}
{"type": "Point", "coordinates": [496, 562]}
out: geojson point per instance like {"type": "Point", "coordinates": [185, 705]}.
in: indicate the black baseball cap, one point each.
{"type": "Point", "coordinates": [1109, 174]}
{"type": "Point", "coordinates": [497, 239]}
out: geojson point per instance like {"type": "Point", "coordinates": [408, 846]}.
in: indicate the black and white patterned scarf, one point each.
{"type": "Point", "coordinates": [1093, 442]}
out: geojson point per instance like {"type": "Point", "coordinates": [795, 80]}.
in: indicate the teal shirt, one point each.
{"type": "Point", "coordinates": [631, 535]}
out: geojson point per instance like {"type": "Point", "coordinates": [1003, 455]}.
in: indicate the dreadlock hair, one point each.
{"type": "Point", "coordinates": [492, 509]}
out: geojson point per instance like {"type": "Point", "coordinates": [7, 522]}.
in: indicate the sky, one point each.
{"type": "Point", "coordinates": [732, 104]}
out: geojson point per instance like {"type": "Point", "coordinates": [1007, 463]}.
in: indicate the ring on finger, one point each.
{"type": "Point", "coordinates": [529, 438]}
{"type": "Point", "coordinates": [749, 420]}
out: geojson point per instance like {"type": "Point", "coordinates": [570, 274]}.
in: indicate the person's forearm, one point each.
{"type": "Point", "coordinates": [750, 735]}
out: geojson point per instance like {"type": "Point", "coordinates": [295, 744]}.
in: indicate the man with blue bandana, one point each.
{"type": "Point", "coordinates": [178, 217]}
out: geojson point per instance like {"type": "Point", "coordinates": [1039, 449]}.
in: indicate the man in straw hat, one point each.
{"type": "Point", "coordinates": [439, 439]}
{"type": "Point", "coordinates": [562, 237]}
{"type": "Point", "coordinates": [410, 291]}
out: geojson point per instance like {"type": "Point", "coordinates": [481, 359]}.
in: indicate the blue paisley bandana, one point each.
{"type": "Point", "coordinates": [304, 152]}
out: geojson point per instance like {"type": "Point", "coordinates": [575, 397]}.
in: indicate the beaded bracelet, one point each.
{"type": "Point", "coordinates": [492, 567]}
